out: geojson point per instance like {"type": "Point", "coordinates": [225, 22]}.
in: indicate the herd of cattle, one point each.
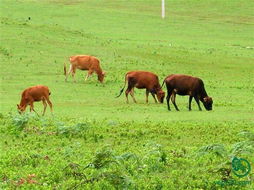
{"type": "Point", "coordinates": [175, 83]}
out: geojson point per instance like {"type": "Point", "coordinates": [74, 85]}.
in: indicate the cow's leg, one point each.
{"type": "Point", "coordinates": [197, 100]}
{"type": "Point", "coordinates": [154, 97]}
{"type": "Point", "coordinates": [49, 103]}
{"type": "Point", "coordinates": [32, 107]}
{"type": "Point", "coordinates": [190, 99]}
{"type": "Point", "coordinates": [126, 94]}
{"type": "Point", "coordinates": [132, 95]}
{"type": "Point", "coordinates": [129, 89]}
{"type": "Point", "coordinates": [45, 106]}
{"type": "Point", "coordinates": [173, 99]}
{"type": "Point", "coordinates": [147, 93]}
{"type": "Point", "coordinates": [67, 74]}
{"type": "Point", "coordinates": [90, 72]}
{"type": "Point", "coordinates": [73, 72]}
{"type": "Point", "coordinates": [168, 98]}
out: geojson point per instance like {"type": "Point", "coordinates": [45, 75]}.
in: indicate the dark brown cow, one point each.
{"type": "Point", "coordinates": [34, 94]}
{"type": "Point", "coordinates": [85, 62]}
{"type": "Point", "coordinates": [141, 80]}
{"type": "Point", "coordinates": [187, 85]}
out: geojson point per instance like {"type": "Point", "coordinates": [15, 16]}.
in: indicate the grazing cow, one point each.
{"type": "Point", "coordinates": [34, 94]}
{"type": "Point", "coordinates": [187, 85]}
{"type": "Point", "coordinates": [140, 80]}
{"type": "Point", "coordinates": [85, 62]}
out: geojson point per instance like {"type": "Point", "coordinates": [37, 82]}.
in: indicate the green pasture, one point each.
{"type": "Point", "coordinates": [137, 146]}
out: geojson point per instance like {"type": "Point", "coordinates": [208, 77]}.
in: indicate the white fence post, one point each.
{"type": "Point", "coordinates": [162, 8]}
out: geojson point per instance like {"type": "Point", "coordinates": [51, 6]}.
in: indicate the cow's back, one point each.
{"type": "Point", "coordinates": [143, 79]}
{"type": "Point", "coordinates": [183, 84]}
{"type": "Point", "coordinates": [36, 92]}
{"type": "Point", "coordinates": [84, 62]}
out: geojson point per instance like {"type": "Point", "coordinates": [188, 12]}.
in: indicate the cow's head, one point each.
{"type": "Point", "coordinates": [101, 76]}
{"type": "Point", "coordinates": [160, 95]}
{"type": "Point", "coordinates": [208, 103]}
{"type": "Point", "coordinates": [21, 109]}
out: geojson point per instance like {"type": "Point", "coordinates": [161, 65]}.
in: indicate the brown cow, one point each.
{"type": "Point", "coordinates": [140, 80]}
{"type": "Point", "coordinates": [34, 94]}
{"type": "Point", "coordinates": [85, 62]}
{"type": "Point", "coordinates": [187, 85]}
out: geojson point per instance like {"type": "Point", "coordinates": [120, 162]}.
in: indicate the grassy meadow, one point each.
{"type": "Point", "coordinates": [95, 141]}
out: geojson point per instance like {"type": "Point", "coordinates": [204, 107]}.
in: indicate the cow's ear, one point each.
{"type": "Point", "coordinates": [17, 105]}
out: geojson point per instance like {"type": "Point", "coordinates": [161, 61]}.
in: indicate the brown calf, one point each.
{"type": "Point", "coordinates": [85, 62]}
{"type": "Point", "coordinates": [187, 85]}
{"type": "Point", "coordinates": [34, 94]}
{"type": "Point", "coordinates": [140, 80]}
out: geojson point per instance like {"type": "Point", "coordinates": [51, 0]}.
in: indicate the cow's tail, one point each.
{"type": "Point", "coordinates": [65, 70]}
{"type": "Point", "coordinates": [123, 87]}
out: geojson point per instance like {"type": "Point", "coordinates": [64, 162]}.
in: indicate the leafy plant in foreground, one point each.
{"type": "Point", "coordinates": [216, 149]}
{"type": "Point", "coordinates": [245, 147]}
{"type": "Point", "coordinates": [74, 130]}
{"type": "Point", "coordinates": [103, 158]}
{"type": "Point", "coordinates": [20, 121]}
{"type": "Point", "coordinates": [119, 170]}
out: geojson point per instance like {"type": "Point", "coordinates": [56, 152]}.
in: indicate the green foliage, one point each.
{"type": "Point", "coordinates": [118, 170]}
{"type": "Point", "coordinates": [102, 158]}
{"type": "Point", "coordinates": [20, 121]}
{"type": "Point", "coordinates": [76, 130]}
{"type": "Point", "coordinates": [246, 146]}
{"type": "Point", "coordinates": [243, 148]}
{"type": "Point", "coordinates": [74, 162]}
{"type": "Point", "coordinates": [217, 149]}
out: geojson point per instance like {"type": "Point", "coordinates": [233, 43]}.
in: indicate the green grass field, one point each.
{"type": "Point", "coordinates": [95, 141]}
